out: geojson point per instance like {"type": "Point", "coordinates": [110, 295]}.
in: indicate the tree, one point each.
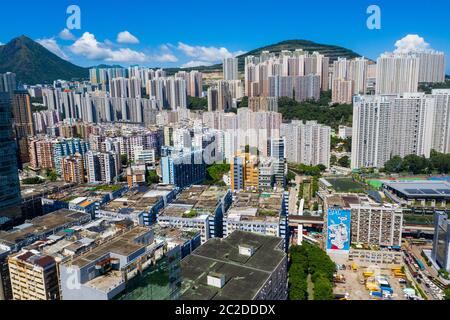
{"type": "Point", "coordinates": [447, 294]}
{"type": "Point", "coordinates": [200, 104]}
{"type": "Point", "coordinates": [323, 288]}
{"type": "Point", "coordinates": [151, 177]}
{"type": "Point", "coordinates": [344, 162]}
{"type": "Point", "coordinates": [440, 162]}
{"type": "Point", "coordinates": [33, 180]}
{"type": "Point", "coordinates": [243, 103]}
{"type": "Point", "coordinates": [333, 160]}
{"type": "Point", "coordinates": [52, 176]}
{"type": "Point", "coordinates": [394, 165]}
{"type": "Point", "coordinates": [333, 116]}
{"type": "Point", "coordinates": [290, 176]}
{"type": "Point", "coordinates": [415, 164]}
{"type": "Point", "coordinates": [314, 171]}
{"type": "Point", "coordinates": [216, 172]}
{"type": "Point", "coordinates": [124, 159]}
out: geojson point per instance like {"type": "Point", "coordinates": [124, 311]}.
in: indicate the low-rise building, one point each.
{"type": "Point", "coordinates": [82, 198]}
{"type": "Point", "coordinates": [418, 193]}
{"type": "Point", "coordinates": [30, 232]}
{"type": "Point", "coordinates": [140, 205]}
{"type": "Point", "coordinates": [188, 240]}
{"type": "Point", "coordinates": [198, 207]}
{"type": "Point", "coordinates": [123, 268]}
{"type": "Point", "coordinates": [33, 276]}
{"type": "Point", "coordinates": [243, 266]}
{"type": "Point", "coordinates": [264, 213]}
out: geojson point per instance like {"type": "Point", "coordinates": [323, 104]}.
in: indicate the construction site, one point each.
{"type": "Point", "coordinates": [354, 282]}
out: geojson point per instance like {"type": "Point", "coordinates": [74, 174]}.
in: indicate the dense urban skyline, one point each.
{"type": "Point", "coordinates": [298, 172]}
{"type": "Point", "coordinates": [222, 32]}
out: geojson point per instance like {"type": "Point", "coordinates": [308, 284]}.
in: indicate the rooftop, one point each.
{"type": "Point", "coordinates": [141, 199]}
{"type": "Point", "coordinates": [418, 189]}
{"type": "Point", "coordinates": [256, 206]}
{"type": "Point", "coordinates": [174, 235]}
{"type": "Point", "coordinates": [244, 276]}
{"type": "Point", "coordinates": [41, 225]}
{"type": "Point", "coordinates": [38, 190]}
{"type": "Point", "coordinates": [91, 192]}
{"type": "Point", "coordinates": [35, 258]}
{"type": "Point", "coordinates": [195, 201]}
{"type": "Point", "coordinates": [123, 245]}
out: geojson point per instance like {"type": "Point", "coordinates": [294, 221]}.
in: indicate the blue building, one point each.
{"type": "Point", "coordinates": [441, 241]}
{"type": "Point", "coordinates": [9, 182]}
{"type": "Point", "coordinates": [182, 168]}
{"type": "Point", "coordinates": [68, 147]}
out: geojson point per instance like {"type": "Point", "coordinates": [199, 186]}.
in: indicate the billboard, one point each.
{"type": "Point", "coordinates": [338, 237]}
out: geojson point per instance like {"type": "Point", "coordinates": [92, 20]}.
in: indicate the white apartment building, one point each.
{"type": "Point", "coordinates": [342, 91]}
{"type": "Point", "coordinates": [397, 73]}
{"type": "Point", "coordinates": [394, 125]}
{"type": "Point", "coordinates": [307, 143]}
{"type": "Point", "coordinates": [102, 167]}
{"type": "Point", "coordinates": [230, 69]}
{"type": "Point", "coordinates": [171, 91]}
{"type": "Point", "coordinates": [432, 67]}
{"type": "Point", "coordinates": [147, 156]}
{"type": "Point", "coordinates": [354, 70]}
{"type": "Point", "coordinates": [345, 132]}
{"type": "Point", "coordinates": [441, 124]}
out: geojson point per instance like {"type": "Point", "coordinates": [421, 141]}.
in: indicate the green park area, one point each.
{"type": "Point", "coordinates": [345, 185]}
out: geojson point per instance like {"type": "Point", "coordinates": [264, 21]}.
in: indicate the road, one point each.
{"type": "Point", "coordinates": [293, 196]}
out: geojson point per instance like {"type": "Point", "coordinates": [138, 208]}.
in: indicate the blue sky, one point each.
{"type": "Point", "coordinates": [176, 33]}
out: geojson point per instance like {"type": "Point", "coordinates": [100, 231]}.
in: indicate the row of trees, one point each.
{"type": "Point", "coordinates": [333, 116]}
{"type": "Point", "coordinates": [438, 163]}
{"type": "Point", "coordinates": [310, 260]}
{"type": "Point", "coordinates": [303, 169]}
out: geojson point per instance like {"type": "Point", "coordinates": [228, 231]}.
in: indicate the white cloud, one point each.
{"type": "Point", "coordinates": [411, 43]}
{"type": "Point", "coordinates": [65, 34]}
{"type": "Point", "coordinates": [194, 64]}
{"type": "Point", "coordinates": [51, 45]}
{"type": "Point", "coordinates": [126, 37]}
{"type": "Point", "coordinates": [208, 54]}
{"type": "Point", "coordinates": [89, 47]}
{"type": "Point", "coordinates": [1, 43]}
{"type": "Point", "coordinates": [165, 57]}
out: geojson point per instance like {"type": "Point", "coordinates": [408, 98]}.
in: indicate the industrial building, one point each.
{"type": "Point", "coordinates": [243, 266]}
{"type": "Point", "coordinates": [123, 268]}
{"type": "Point", "coordinates": [198, 207]}
{"type": "Point", "coordinates": [264, 213]}
{"type": "Point", "coordinates": [140, 205]}
{"type": "Point", "coordinates": [28, 233]}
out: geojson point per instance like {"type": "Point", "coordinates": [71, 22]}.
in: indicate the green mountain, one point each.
{"type": "Point", "coordinates": [331, 51]}
{"type": "Point", "coordinates": [33, 64]}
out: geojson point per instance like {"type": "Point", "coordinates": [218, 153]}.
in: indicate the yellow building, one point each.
{"type": "Point", "coordinates": [244, 173]}
{"type": "Point", "coordinates": [33, 276]}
